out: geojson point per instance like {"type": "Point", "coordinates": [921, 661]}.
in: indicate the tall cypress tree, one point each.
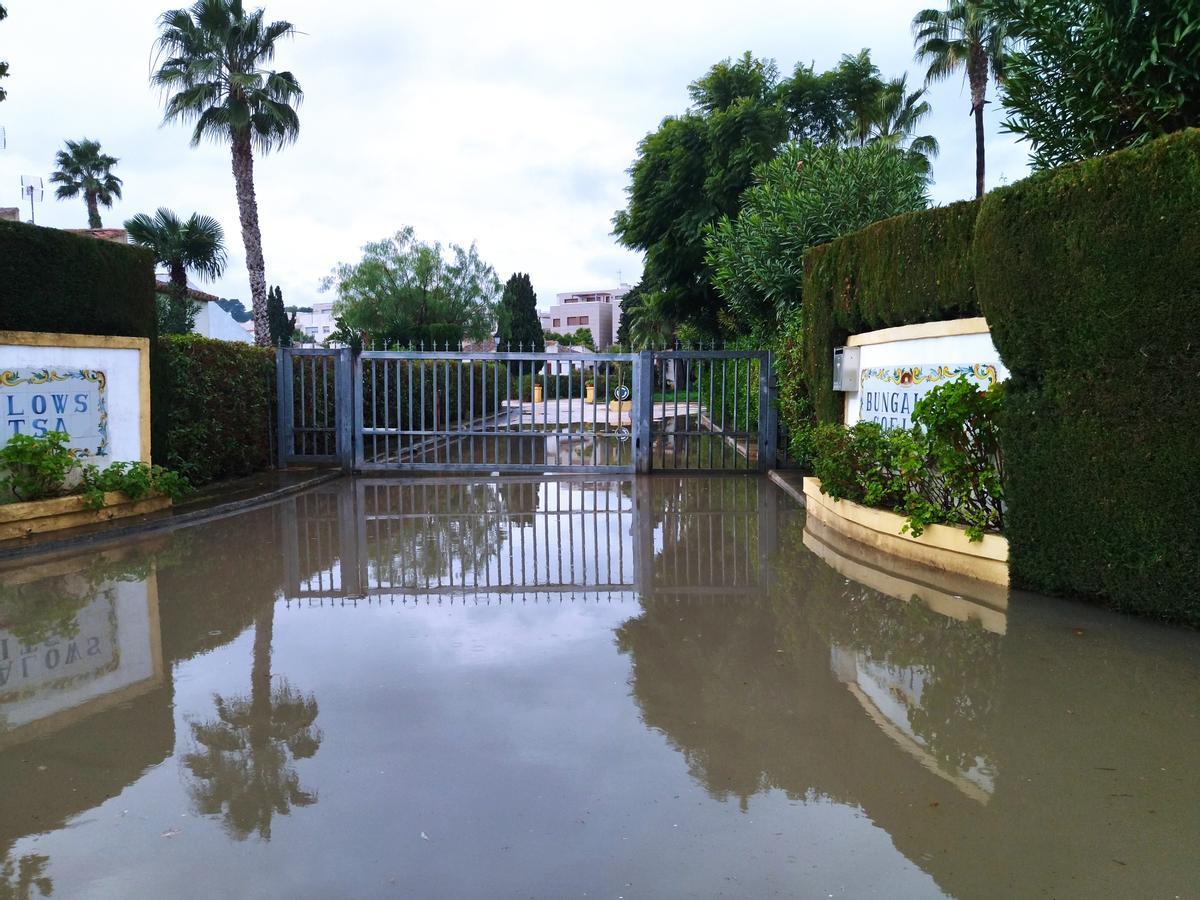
{"type": "Point", "coordinates": [519, 327]}
{"type": "Point", "coordinates": [282, 326]}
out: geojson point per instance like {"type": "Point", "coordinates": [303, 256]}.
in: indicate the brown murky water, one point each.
{"type": "Point", "coordinates": [564, 688]}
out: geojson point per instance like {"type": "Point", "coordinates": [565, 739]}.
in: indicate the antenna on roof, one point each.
{"type": "Point", "coordinates": [31, 187]}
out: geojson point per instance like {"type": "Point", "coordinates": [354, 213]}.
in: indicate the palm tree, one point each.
{"type": "Point", "coordinates": [860, 89]}
{"type": "Point", "coordinates": [965, 35]}
{"type": "Point", "coordinates": [651, 323]}
{"type": "Point", "coordinates": [83, 169]}
{"type": "Point", "coordinates": [197, 244]}
{"type": "Point", "coordinates": [894, 118]}
{"type": "Point", "coordinates": [213, 56]}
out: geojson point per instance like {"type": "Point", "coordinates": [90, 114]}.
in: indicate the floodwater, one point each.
{"type": "Point", "coordinates": [664, 688]}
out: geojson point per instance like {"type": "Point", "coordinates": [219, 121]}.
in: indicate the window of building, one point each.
{"type": "Point", "coordinates": [583, 320]}
{"type": "Point", "coordinates": [572, 320]}
{"type": "Point", "coordinates": [557, 323]}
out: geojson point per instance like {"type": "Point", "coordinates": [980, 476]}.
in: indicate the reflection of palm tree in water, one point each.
{"type": "Point", "coordinates": [241, 763]}
{"type": "Point", "coordinates": [19, 878]}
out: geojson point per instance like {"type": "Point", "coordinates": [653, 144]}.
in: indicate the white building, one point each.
{"type": "Point", "coordinates": [316, 326]}
{"type": "Point", "coordinates": [598, 310]}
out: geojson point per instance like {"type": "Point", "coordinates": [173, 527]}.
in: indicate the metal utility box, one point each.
{"type": "Point", "coordinates": [845, 368]}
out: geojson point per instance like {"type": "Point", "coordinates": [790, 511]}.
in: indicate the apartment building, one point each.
{"type": "Point", "coordinates": [316, 325]}
{"type": "Point", "coordinates": [598, 310]}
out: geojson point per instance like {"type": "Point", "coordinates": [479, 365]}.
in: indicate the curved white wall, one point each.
{"type": "Point", "coordinates": [898, 366]}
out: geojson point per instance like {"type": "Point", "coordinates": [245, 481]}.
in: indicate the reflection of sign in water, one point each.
{"type": "Point", "coordinates": [110, 652]}
{"type": "Point", "coordinates": [61, 661]}
{"type": "Point", "coordinates": [893, 696]}
{"type": "Point", "coordinates": [37, 401]}
{"type": "Point", "coordinates": [887, 395]}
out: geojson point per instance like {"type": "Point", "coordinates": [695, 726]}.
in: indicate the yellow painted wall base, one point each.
{"type": "Point", "coordinates": [39, 516]}
{"type": "Point", "coordinates": [946, 593]}
{"type": "Point", "coordinates": [939, 547]}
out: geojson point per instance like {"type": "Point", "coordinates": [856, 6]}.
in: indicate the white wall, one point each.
{"type": "Point", "coordinates": [934, 359]}
{"type": "Point", "coordinates": [214, 322]}
{"type": "Point", "coordinates": [122, 393]}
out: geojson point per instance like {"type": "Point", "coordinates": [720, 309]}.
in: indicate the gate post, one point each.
{"type": "Point", "coordinates": [343, 399]}
{"type": "Point", "coordinates": [768, 413]}
{"type": "Point", "coordinates": [356, 413]}
{"type": "Point", "coordinates": [643, 402]}
{"type": "Point", "coordinates": [284, 439]}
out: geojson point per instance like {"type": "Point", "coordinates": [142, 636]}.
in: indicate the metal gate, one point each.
{"type": "Point", "coordinates": [586, 412]}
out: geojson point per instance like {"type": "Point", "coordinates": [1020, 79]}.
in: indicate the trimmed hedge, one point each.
{"type": "Point", "coordinates": [912, 268]}
{"type": "Point", "coordinates": [51, 280]}
{"type": "Point", "coordinates": [1090, 278]}
{"type": "Point", "coordinates": [216, 403]}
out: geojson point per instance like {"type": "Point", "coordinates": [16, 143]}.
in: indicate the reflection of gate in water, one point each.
{"type": "Point", "coordinates": [682, 538]}
{"type": "Point", "coordinates": [586, 412]}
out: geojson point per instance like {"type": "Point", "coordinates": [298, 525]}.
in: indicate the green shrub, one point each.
{"type": "Point", "coordinates": [947, 469]}
{"type": "Point", "coordinates": [796, 414]}
{"type": "Point", "coordinates": [33, 468]}
{"type": "Point", "coordinates": [913, 268]}
{"type": "Point", "coordinates": [217, 400]}
{"type": "Point", "coordinates": [1090, 278]}
{"type": "Point", "coordinates": [133, 479]}
{"type": "Point", "coordinates": [732, 377]}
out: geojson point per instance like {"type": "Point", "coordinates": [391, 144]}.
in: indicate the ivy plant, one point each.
{"type": "Point", "coordinates": [33, 468]}
{"type": "Point", "coordinates": [947, 469]}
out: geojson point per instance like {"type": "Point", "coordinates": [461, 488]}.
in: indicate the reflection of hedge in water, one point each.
{"type": "Point", "coordinates": [208, 593]}
{"type": "Point", "coordinates": [698, 677]}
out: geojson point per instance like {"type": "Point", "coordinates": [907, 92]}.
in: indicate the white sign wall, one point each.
{"type": "Point", "coordinates": [898, 366]}
{"type": "Point", "coordinates": [96, 389]}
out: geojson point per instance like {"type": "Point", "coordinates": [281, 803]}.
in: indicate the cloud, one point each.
{"type": "Point", "coordinates": [508, 124]}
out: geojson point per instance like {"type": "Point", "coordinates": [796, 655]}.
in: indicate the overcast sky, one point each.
{"type": "Point", "coordinates": [511, 125]}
